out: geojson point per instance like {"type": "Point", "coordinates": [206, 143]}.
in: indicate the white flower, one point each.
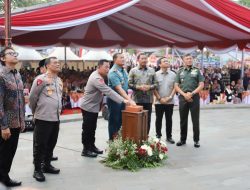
{"type": "Point", "coordinates": [145, 147]}
{"type": "Point", "coordinates": [155, 140]}
{"type": "Point", "coordinates": [161, 156]}
{"type": "Point", "coordinates": [163, 143]}
{"type": "Point", "coordinates": [149, 151]}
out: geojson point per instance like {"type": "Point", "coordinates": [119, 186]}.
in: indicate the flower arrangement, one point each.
{"type": "Point", "coordinates": [125, 154]}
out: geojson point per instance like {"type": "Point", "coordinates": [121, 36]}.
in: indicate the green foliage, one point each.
{"type": "Point", "coordinates": [245, 2]}
{"type": "Point", "coordinates": [24, 3]}
{"type": "Point", "coordinates": [127, 155]}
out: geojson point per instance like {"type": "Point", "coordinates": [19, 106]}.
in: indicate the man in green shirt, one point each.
{"type": "Point", "coordinates": [189, 82]}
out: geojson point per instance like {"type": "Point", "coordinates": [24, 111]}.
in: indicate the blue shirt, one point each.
{"type": "Point", "coordinates": [118, 76]}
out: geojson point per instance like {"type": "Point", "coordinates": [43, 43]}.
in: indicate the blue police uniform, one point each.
{"type": "Point", "coordinates": [117, 76]}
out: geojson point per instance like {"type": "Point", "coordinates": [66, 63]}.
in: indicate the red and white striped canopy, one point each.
{"type": "Point", "coordinates": [135, 23]}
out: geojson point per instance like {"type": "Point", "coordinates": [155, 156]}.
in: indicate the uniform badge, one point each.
{"type": "Point", "coordinates": [39, 81]}
{"type": "Point", "coordinates": [101, 81]}
{"type": "Point", "coordinates": [49, 90]}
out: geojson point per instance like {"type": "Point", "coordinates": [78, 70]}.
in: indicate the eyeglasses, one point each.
{"type": "Point", "coordinates": [15, 54]}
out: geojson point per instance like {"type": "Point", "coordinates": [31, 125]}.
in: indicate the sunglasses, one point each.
{"type": "Point", "coordinates": [15, 54]}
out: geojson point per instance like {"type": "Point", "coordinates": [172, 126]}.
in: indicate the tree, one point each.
{"type": "Point", "coordinates": [244, 2]}
{"type": "Point", "coordinates": [24, 3]}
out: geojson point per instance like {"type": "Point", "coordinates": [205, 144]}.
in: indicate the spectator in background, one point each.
{"type": "Point", "coordinates": [215, 91]}
{"type": "Point", "coordinates": [225, 80]}
{"type": "Point", "coordinates": [229, 94]}
{"type": "Point", "coordinates": [246, 80]}
{"type": "Point", "coordinates": [239, 89]}
{"type": "Point", "coordinates": [232, 86]}
{"type": "Point", "coordinates": [216, 74]}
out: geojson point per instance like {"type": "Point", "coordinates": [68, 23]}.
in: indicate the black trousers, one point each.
{"type": "Point", "coordinates": [194, 108]}
{"type": "Point", "coordinates": [7, 153]}
{"type": "Point", "coordinates": [160, 110]}
{"type": "Point", "coordinates": [147, 106]}
{"type": "Point", "coordinates": [45, 138]}
{"type": "Point", "coordinates": [88, 129]}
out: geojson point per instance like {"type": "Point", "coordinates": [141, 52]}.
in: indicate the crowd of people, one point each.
{"type": "Point", "coordinates": [220, 83]}
{"type": "Point", "coordinates": [49, 84]}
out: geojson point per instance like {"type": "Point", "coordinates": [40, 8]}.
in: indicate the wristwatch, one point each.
{"type": "Point", "coordinates": [170, 97]}
{"type": "Point", "coordinates": [193, 93]}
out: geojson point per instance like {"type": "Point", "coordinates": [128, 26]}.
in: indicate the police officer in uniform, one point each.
{"type": "Point", "coordinates": [45, 103]}
{"type": "Point", "coordinates": [90, 105]}
{"type": "Point", "coordinates": [189, 82]}
{"type": "Point", "coordinates": [118, 81]}
{"type": "Point", "coordinates": [42, 69]}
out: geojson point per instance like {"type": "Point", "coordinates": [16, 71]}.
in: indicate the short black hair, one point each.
{"type": "Point", "coordinates": [47, 60]}
{"type": "Point", "coordinates": [186, 55]}
{"type": "Point", "coordinates": [42, 63]}
{"type": "Point", "coordinates": [115, 56]}
{"type": "Point", "coordinates": [102, 61]}
{"type": "Point", "coordinates": [140, 54]}
{"type": "Point", "coordinates": [2, 53]}
{"type": "Point", "coordinates": [159, 60]}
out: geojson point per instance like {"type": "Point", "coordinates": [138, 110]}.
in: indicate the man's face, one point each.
{"type": "Point", "coordinates": [143, 60]}
{"type": "Point", "coordinates": [164, 63]}
{"type": "Point", "coordinates": [10, 56]}
{"type": "Point", "coordinates": [188, 61]}
{"type": "Point", "coordinates": [120, 60]}
{"type": "Point", "coordinates": [54, 65]}
{"type": "Point", "coordinates": [104, 69]}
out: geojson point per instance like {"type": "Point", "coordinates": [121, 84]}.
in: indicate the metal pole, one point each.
{"type": "Point", "coordinates": [202, 55]}
{"type": "Point", "coordinates": [242, 64]}
{"type": "Point", "coordinates": [172, 56]}
{"type": "Point", "coordinates": [65, 55]}
{"type": "Point", "coordinates": [7, 22]}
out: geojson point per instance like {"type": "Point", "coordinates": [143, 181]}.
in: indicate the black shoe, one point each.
{"type": "Point", "coordinates": [12, 183]}
{"type": "Point", "coordinates": [180, 143]}
{"type": "Point", "coordinates": [197, 144]}
{"type": "Point", "coordinates": [38, 175]}
{"type": "Point", "coordinates": [50, 169]}
{"type": "Point", "coordinates": [88, 153]}
{"type": "Point", "coordinates": [170, 140]}
{"type": "Point", "coordinates": [158, 136]}
{"type": "Point", "coordinates": [54, 158]}
{"type": "Point", "coordinates": [96, 150]}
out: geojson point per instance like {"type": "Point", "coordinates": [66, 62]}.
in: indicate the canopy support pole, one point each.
{"type": "Point", "coordinates": [65, 55]}
{"type": "Point", "coordinates": [202, 57]}
{"type": "Point", "coordinates": [178, 55]}
{"type": "Point", "coordinates": [242, 64]}
{"type": "Point", "coordinates": [7, 22]}
{"type": "Point", "coordinates": [172, 56]}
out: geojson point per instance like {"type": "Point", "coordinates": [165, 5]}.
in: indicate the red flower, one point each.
{"type": "Point", "coordinates": [152, 146]}
{"type": "Point", "coordinates": [164, 149]}
{"type": "Point", "coordinates": [142, 152]}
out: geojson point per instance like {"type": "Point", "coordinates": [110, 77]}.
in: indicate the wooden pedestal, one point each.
{"type": "Point", "coordinates": [134, 126]}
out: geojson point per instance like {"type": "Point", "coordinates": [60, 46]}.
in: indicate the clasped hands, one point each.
{"type": "Point", "coordinates": [144, 87]}
{"type": "Point", "coordinates": [164, 100]}
{"type": "Point", "coordinates": [188, 97]}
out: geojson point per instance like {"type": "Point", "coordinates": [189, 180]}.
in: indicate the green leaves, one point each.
{"type": "Point", "coordinates": [24, 3]}
{"type": "Point", "coordinates": [127, 155]}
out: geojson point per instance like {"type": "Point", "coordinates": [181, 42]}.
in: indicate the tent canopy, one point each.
{"type": "Point", "coordinates": [96, 56]}
{"type": "Point", "coordinates": [136, 23]}
{"type": "Point", "coordinates": [59, 53]}
{"type": "Point", "coordinates": [26, 54]}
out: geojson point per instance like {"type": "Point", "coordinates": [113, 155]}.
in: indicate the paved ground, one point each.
{"type": "Point", "coordinates": [222, 162]}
